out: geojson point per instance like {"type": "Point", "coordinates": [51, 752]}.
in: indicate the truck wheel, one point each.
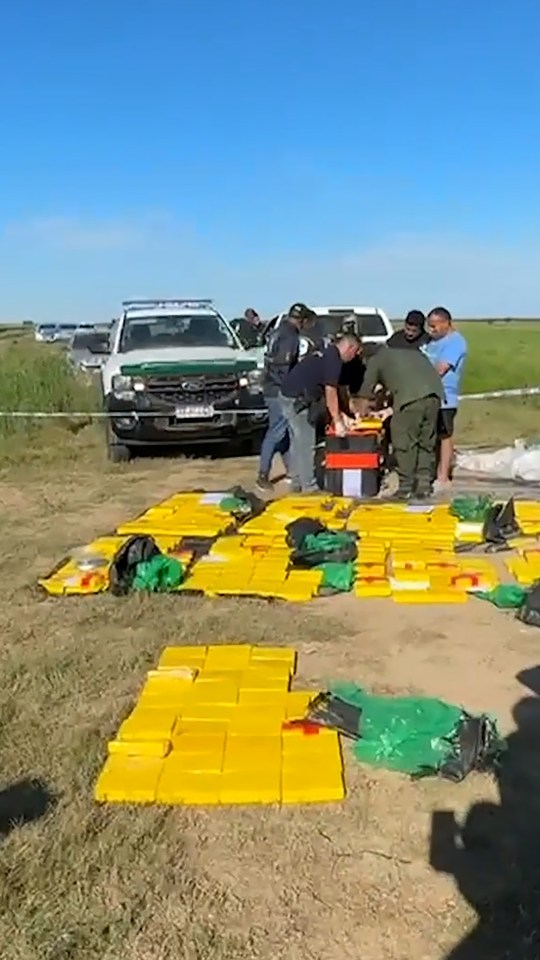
{"type": "Point", "coordinates": [119, 453]}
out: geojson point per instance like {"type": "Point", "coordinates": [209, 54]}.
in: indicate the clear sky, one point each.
{"type": "Point", "coordinates": [265, 151]}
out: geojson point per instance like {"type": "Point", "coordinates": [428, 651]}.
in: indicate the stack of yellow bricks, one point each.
{"type": "Point", "coordinates": [525, 564]}
{"type": "Point", "coordinates": [406, 553]}
{"type": "Point", "coordinates": [69, 579]}
{"type": "Point", "coordinates": [256, 560]}
{"type": "Point", "coordinates": [184, 515]}
{"type": "Point", "coordinates": [220, 725]}
{"type": "Point", "coordinates": [409, 555]}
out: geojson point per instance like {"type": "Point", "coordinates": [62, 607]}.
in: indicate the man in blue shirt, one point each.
{"type": "Point", "coordinates": [313, 379]}
{"type": "Point", "coordinates": [447, 351]}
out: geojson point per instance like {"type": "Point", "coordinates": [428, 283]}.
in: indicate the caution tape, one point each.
{"type": "Point", "coordinates": [125, 414]}
{"type": "Point", "coordinates": [495, 394]}
{"type": "Point", "coordinates": [155, 415]}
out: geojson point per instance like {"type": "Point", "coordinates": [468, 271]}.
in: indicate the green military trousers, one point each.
{"type": "Point", "coordinates": [414, 440]}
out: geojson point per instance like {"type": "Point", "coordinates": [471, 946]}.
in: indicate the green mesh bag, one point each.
{"type": "Point", "coordinates": [507, 596]}
{"type": "Point", "coordinates": [161, 574]}
{"type": "Point", "coordinates": [420, 736]}
{"type": "Point", "coordinates": [472, 509]}
{"type": "Point", "coordinates": [337, 577]}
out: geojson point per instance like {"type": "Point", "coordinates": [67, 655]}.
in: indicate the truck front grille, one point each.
{"type": "Point", "coordinates": [205, 389]}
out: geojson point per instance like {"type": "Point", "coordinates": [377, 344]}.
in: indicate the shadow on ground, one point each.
{"type": "Point", "coordinates": [229, 449]}
{"type": "Point", "coordinates": [23, 802]}
{"type": "Point", "coordinates": [495, 855]}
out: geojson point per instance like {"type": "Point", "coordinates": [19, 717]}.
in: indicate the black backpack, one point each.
{"type": "Point", "coordinates": [125, 562]}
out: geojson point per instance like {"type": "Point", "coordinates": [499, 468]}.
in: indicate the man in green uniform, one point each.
{"type": "Point", "coordinates": [417, 395]}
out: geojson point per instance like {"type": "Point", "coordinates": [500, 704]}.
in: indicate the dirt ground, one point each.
{"type": "Point", "coordinates": [364, 878]}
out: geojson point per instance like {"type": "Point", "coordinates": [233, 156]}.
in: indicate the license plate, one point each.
{"type": "Point", "coordinates": [193, 412]}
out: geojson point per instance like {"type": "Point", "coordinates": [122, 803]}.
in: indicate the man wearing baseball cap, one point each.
{"type": "Point", "coordinates": [296, 335]}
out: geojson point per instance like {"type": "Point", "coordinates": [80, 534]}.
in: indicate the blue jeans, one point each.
{"type": "Point", "coordinates": [276, 438]}
{"type": "Point", "coordinates": [303, 439]}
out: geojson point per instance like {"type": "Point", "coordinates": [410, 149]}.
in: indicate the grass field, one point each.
{"type": "Point", "coordinates": [325, 883]}
{"type": "Point", "coordinates": [500, 358]}
{"type": "Point", "coordinates": [37, 377]}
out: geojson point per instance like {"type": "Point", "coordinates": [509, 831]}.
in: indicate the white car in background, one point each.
{"type": "Point", "coordinates": [45, 333]}
{"type": "Point", "coordinates": [55, 332]}
{"type": "Point", "coordinates": [372, 325]}
{"type": "Point", "coordinates": [89, 348]}
{"type": "Point", "coordinates": [178, 374]}
{"type": "Point", "coordinates": [64, 332]}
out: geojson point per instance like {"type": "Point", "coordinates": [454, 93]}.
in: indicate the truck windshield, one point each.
{"type": "Point", "coordinates": [369, 324]}
{"type": "Point", "coordinates": [185, 330]}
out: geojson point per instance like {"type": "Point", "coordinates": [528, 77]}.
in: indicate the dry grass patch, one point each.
{"type": "Point", "coordinates": [116, 883]}
{"type": "Point", "coordinates": [82, 882]}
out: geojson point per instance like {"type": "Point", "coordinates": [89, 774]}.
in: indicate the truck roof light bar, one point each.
{"type": "Point", "coordinates": [149, 304]}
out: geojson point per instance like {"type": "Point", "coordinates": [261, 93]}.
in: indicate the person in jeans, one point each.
{"type": "Point", "coordinates": [417, 393]}
{"type": "Point", "coordinates": [282, 355]}
{"type": "Point", "coordinates": [313, 379]}
{"type": "Point", "coordinates": [447, 351]}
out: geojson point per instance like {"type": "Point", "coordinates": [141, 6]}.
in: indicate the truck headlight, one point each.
{"type": "Point", "coordinates": [123, 387]}
{"type": "Point", "coordinates": [252, 380]}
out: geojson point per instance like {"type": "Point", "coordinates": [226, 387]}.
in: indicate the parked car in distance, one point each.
{"type": "Point", "coordinates": [89, 349]}
{"type": "Point", "coordinates": [64, 332]}
{"type": "Point", "coordinates": [45, 333]}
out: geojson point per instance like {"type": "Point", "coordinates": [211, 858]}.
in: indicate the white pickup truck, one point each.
{"type": "Point", "coordinates": [177, 374]}
{"type": "Point", "coordinates": [372, 324]}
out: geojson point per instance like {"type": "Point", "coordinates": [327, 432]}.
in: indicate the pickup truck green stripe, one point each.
{"type": "Point", "coordinates": [187, 367]}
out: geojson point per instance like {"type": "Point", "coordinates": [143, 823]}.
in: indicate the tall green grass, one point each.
{"type": "Point", "coordinates": [501, 358]}
{"type": "Point", "coordinates": [35, 378]}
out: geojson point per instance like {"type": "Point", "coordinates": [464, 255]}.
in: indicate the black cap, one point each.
{"type": "Point", "coordinates": [300, 312]}
{"type": "Point", "coordinates": [415, 318]}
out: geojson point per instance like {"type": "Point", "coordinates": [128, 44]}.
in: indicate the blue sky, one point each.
{"type": "Point", "coordinates": [264, 151]}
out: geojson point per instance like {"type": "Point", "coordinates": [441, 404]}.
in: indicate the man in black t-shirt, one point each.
{"type": "Point", "coordinates": [413, 336]}
{"type": "Point", "coordinates": [317, 376]}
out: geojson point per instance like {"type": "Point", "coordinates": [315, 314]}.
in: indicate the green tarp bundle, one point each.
{"type": "Point", "coordinates": [235, 505]}
{"type": "Point", "coordinates": [314, 546]}
{"type": "Point", "coordinates": [413, 735]}
{"type": "Point", "coordinates": [507, 596]}
{"type": "Point", "coordinates": [161, 574]}
{"type": "Point", "coordinates": [472, 509]}
{"type": "Point", "coordinates": [328, 542]}
{"type": "Point", "coordinates": [337, 577]}
{"type": "Point", "coordinates": [241, 503]}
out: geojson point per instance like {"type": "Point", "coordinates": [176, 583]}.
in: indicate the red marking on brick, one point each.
{"type": "Point", "coordinates": [305, 726]}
